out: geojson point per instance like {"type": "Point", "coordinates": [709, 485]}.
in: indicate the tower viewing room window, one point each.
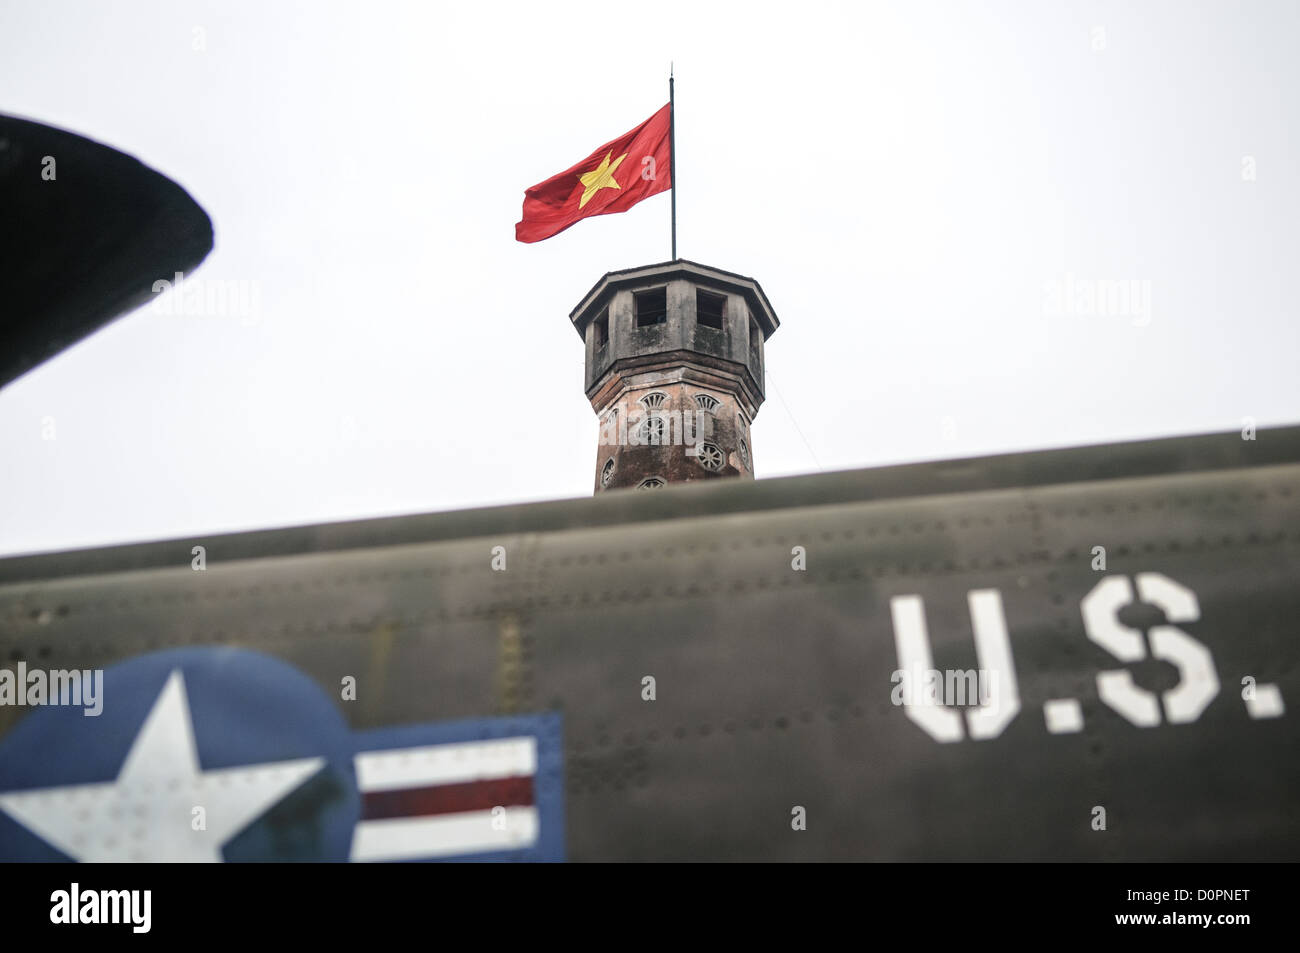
{"type": "Point", "coordinates": [602, 329]}
{"type": "Point", "coordinates": [709, 309]}
{"type": "Point", "coordinates": [651, 307]}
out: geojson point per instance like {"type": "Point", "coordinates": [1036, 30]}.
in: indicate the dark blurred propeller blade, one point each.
{"type": "Point", "coordinates": [82, 248]}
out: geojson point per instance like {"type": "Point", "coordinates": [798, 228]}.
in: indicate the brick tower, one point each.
{"type": "Point", "coordinates": [674, 371]}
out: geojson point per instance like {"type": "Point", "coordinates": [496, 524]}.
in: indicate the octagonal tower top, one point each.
{"type": "Point", "coordinates": [673, 346]}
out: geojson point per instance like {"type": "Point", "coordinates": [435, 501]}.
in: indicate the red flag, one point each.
{"type": "Point", "coordinates": [615, 177]}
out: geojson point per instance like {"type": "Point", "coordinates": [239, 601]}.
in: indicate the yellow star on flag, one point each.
{"type": "Point", "coordinates": [601, 177]}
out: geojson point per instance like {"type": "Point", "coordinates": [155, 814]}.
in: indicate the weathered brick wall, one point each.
{"type": "Point", "coordinates": [687, 427]}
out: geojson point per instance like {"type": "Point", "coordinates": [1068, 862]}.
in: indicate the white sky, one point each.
{"type": "Point", "coordinates": [904, 179]}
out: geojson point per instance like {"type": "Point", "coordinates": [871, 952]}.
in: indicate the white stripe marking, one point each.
{"type": "Point", "coordinates": [446, 764]}
{"type": "Point", "coordinates": [443, 835]}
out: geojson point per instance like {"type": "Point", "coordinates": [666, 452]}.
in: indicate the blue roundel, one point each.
{"type": "Point", "coordinates": [244, 709]}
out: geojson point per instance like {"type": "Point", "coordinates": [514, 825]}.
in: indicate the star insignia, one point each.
{"type": "Point", "coordinates": [146, 813]}
{"type": "Point", "coordinates": [601, 177]}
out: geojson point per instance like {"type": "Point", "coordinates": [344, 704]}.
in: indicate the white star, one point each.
{"type": "Point", "coordinates": [148, 814]}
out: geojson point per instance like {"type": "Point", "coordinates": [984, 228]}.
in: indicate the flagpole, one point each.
{"type": "Point", "coordinates": [672, 153]}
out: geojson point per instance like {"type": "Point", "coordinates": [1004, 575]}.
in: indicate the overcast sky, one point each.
{"type": "Point", "coordinates": [931, 194]}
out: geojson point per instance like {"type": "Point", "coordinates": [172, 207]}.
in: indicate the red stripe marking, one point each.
{"type": "Point", "coordinates": [448, 798]}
